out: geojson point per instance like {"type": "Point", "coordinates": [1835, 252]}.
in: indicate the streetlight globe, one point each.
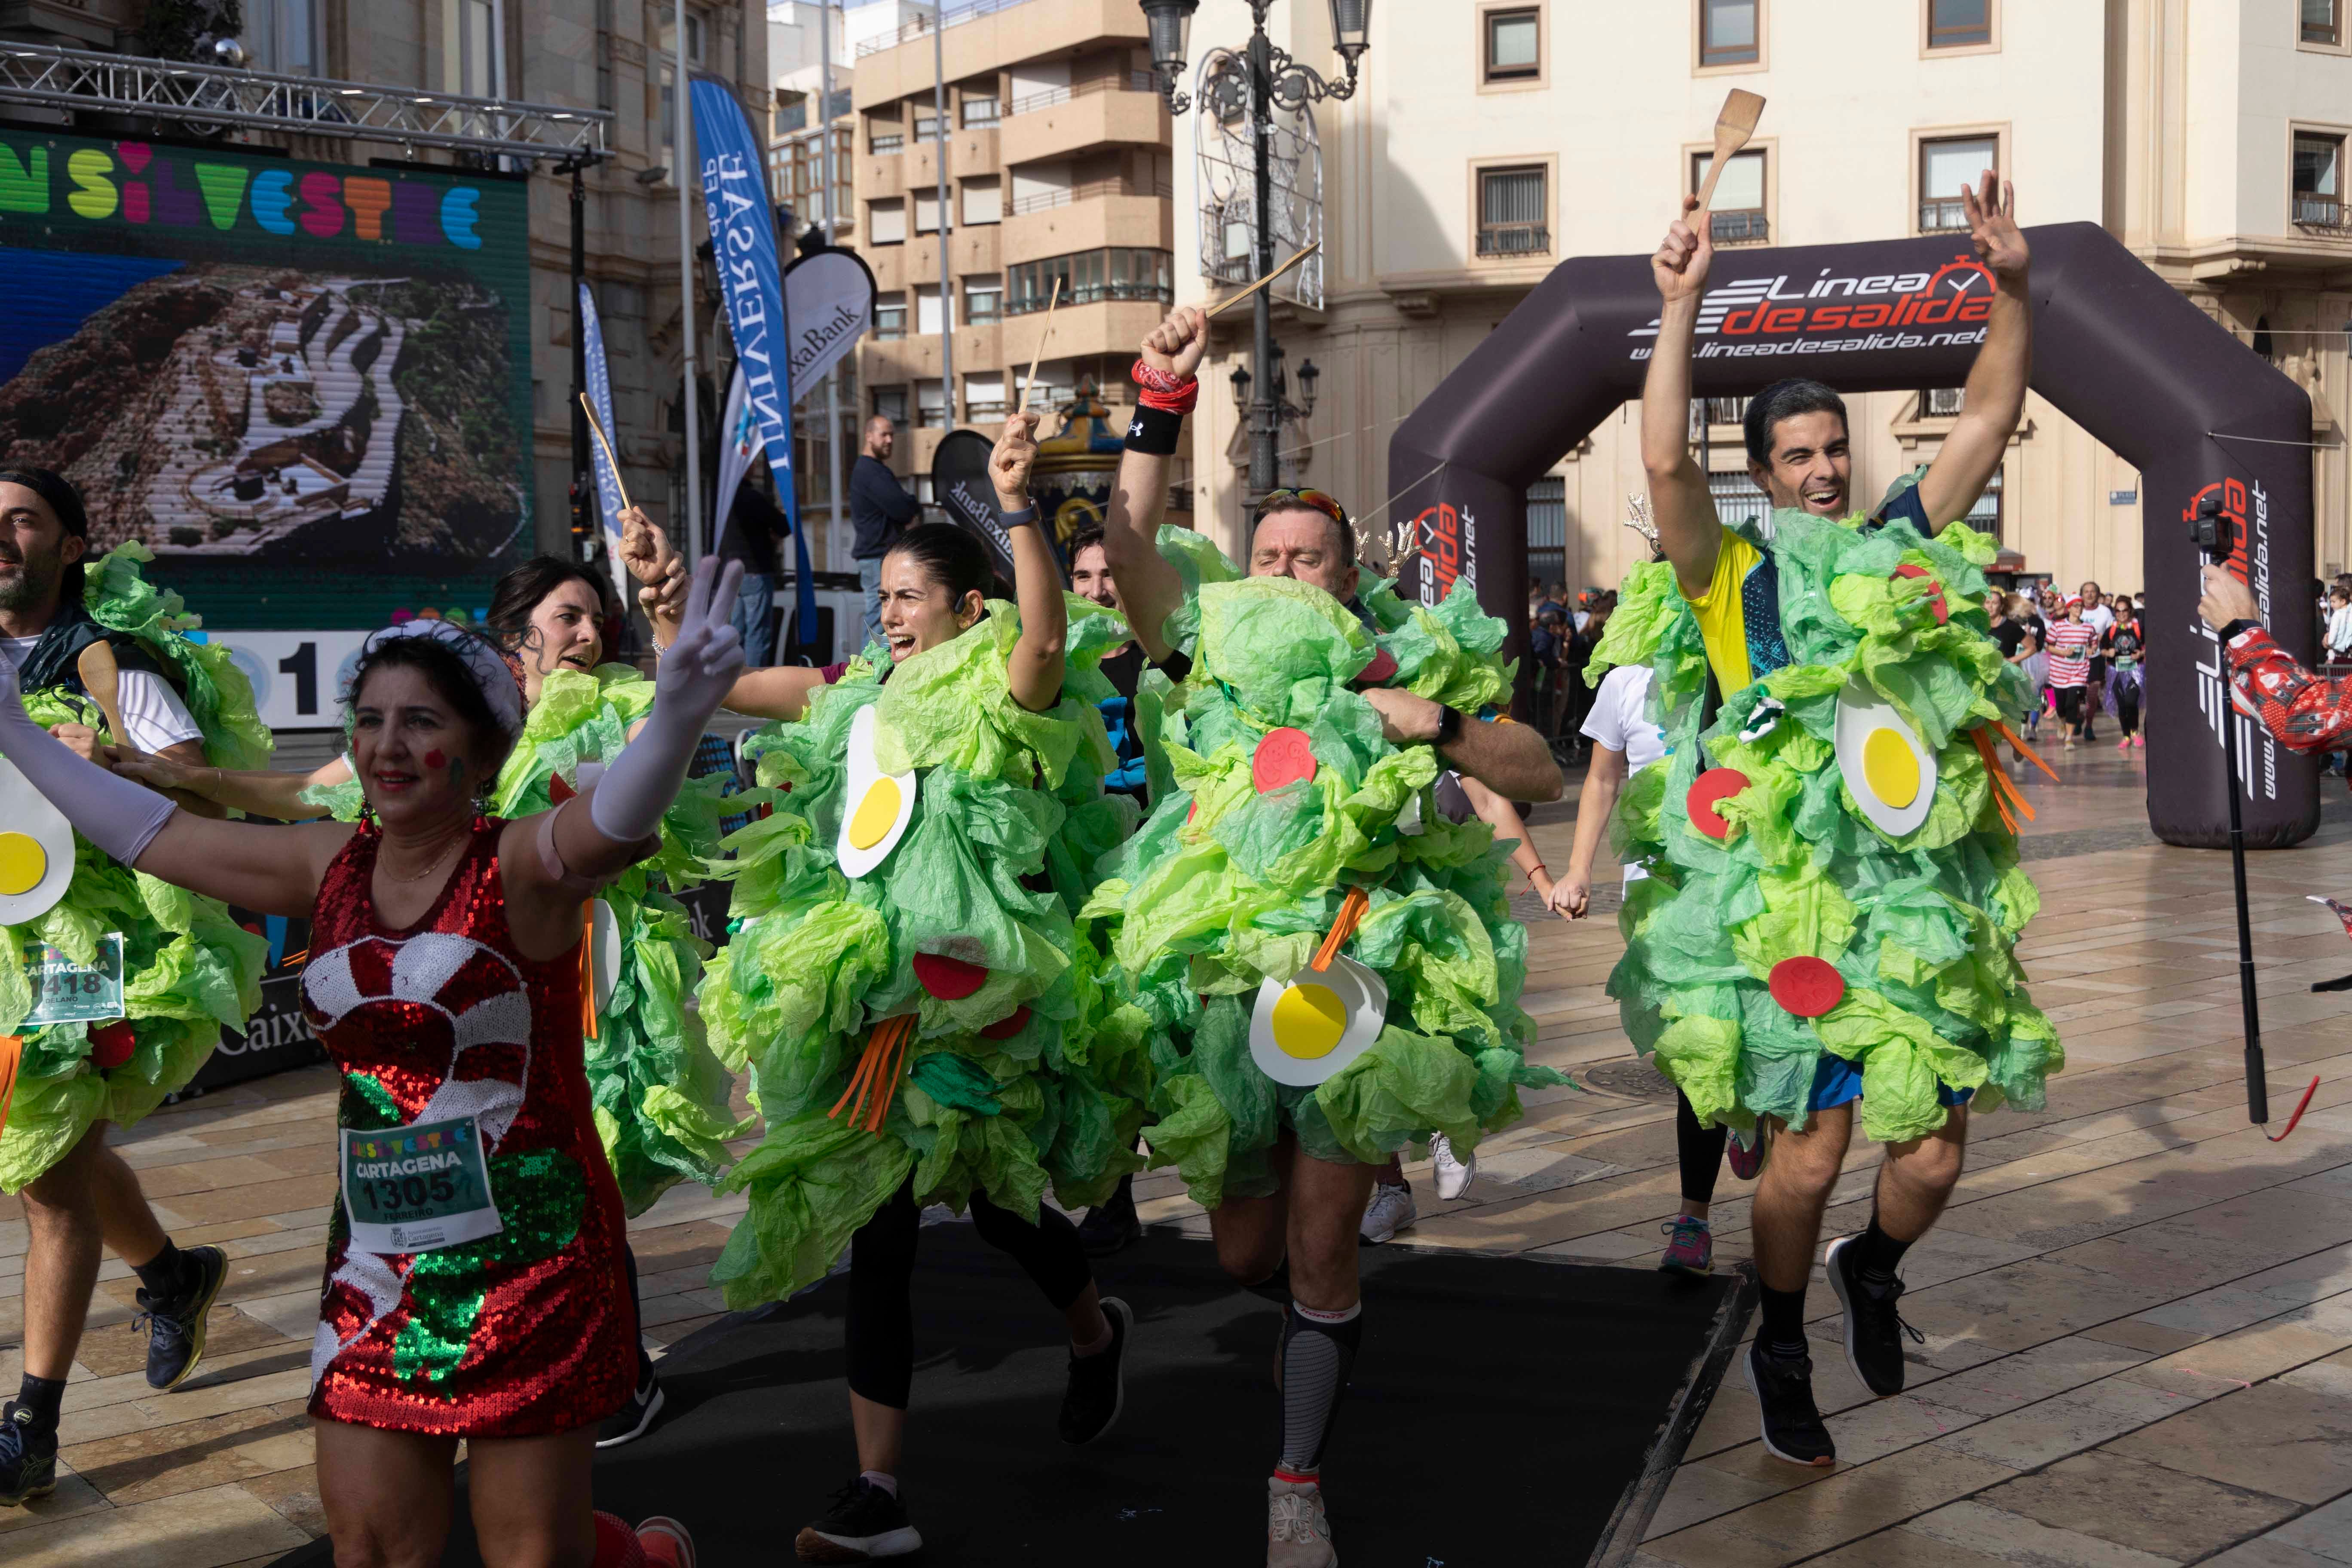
{"type": "Point", "coordinates": [1308, 376]}
{"type": "Point", "coordinates": [1241, 384]}
{"type": "Point", "coordinates": [1168, 26]}
{"type": "Point", "coordinates": [1351, 27]}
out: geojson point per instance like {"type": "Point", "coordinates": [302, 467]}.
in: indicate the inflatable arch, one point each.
{"type": "Point", "coordinates": [2116, 348]}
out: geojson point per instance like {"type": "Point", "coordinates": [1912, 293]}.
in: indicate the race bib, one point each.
{"type": "Point", "coordinates": [417, 1188]}
{"type": "Point", "coordinates": [65, 992]}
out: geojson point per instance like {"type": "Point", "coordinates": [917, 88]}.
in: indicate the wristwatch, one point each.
{"type": "Point", "coordinates": [1026, 515]}
{"type": "Point", "coordinates": [2236, 629]}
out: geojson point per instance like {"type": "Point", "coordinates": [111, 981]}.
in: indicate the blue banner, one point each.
{"type": "Point", "coordinates": [600, 396]}
{"type": "Point", "coordinates": [743, 236]}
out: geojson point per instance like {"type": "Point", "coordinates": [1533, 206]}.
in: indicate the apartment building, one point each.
{"type": "Point", "coordinates": [1056, 148]}
{"type": "Point", "coordinates": [1492, 139]}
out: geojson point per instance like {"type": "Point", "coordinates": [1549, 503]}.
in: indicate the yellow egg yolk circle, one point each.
{"type": "Point", "coordinates": [876, 815]}
{"type": "Point", "coordinates": [23, 863]}
{"type": "Point", "coordinates": [1308, 1020]}
{"type": "Point", "coordinates": [1890, 767]}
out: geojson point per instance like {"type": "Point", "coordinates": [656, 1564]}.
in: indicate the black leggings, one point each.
{"type": "Point", "coordinates": [1699, 1151]}
{"type": "Point", "coordinates": [880, 1332]}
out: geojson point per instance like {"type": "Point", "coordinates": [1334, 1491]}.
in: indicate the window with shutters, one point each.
{"type": "Point", "coordinates": [1731, 33]}
{"type": "Point", "coordinates": [886, 222]}
{"type": "Point", "coordinates": [1510, 42]}
{"type": "Point", "coordinates": [1513, 211]}
{"type": "Point", "coordinates": [1948, 167]}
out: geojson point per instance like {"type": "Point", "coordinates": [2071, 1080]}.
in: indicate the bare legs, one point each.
{"type": "Point", "coordinates": [88, 1200]}
{"type": "Point", "coordinates": [389, 1497]}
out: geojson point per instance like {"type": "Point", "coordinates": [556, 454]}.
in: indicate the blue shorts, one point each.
{"type": "Point", "coordinates": [1837, 1081]}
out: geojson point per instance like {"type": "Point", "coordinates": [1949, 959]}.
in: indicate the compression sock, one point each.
{"type": "Point", "coordinates": [616, 1544]}
{"type": "Point", "coordinates": [1318, 1350]}
{"type": "Point", "coordinates": [1878, 1255]}
{"type": "Point", "coordinates": [44, 1396]}
{"type": "Point", "coordinates": [1782, 1331]}
{"type": "Point", "coordinates": [165, 1274]}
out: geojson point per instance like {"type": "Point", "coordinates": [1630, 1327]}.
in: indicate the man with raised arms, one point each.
{"type": "Point", "coordinates": [1798, 450]}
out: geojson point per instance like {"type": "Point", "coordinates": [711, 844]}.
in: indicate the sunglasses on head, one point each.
{"type": "Point", "coordinates": [1275, 500]}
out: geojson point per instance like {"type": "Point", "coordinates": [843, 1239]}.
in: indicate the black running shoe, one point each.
{"type": "Point", "coordinates": [864, 1524]}
{"type": "Point", "coordinates": [175, 1328]}
{"type": "Point", "coordinates": [29, 1459]}
{"type": "Point", "coordinates": [1111, 1226]}
{"type": "Point", "coordinates": [1874, 1329]}
{"type": "Point", "coordinates": [1098, 1390]}
{"type": "Point", "coordinates": [635, 1419]}
{"type": "Point", "coordinates": [1792, 1424]}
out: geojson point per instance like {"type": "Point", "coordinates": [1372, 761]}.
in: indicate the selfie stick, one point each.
{"type": "Point", "coordinates": [2258, 1095]}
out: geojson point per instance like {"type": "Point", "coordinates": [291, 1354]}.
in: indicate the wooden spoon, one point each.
{"type": "Point", "coordinates": [1733, 127]}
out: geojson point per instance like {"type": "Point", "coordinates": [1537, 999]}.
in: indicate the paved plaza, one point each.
{"type": "Point", "coordinates": [2137, 1310]}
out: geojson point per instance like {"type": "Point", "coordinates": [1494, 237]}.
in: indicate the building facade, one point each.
{"type": "Point", "coordinates": [1492, 139]}
{"type": "Point", "coordinates": [1056, 148]}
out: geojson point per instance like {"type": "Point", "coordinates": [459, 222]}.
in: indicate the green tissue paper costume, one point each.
{"type": "Point", "coordinates": [659, 1092]}
{"type": "Point", "coordinates": [188, 969]}
{"type": "Point", "coordinates": [1921, 926]}
{"type": "Point", "coordinates": [1224, 888]}
{"type": "Point", "coordinates": [1035, 1080]}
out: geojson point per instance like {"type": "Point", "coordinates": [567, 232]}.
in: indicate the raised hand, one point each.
{"type": "Point", "coordinates": [699, 667]}
{"type": "Point", "coordinates": [1177, 344]}
{"type": "Point", "coordinates": [1681, 263]}
{"type": "Point", "coordinates": [1992, 227]}
{"type": "Point", "coordinates": [1009, 464]}
{"type": "Point", "coordinates": [644, 548]}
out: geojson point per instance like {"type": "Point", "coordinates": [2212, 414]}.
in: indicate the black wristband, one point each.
{"type": "Point", "coordinates": [2232, 632]}
{"type": "Point", "coordinates": [1449, 726]}
{"type": "Point", "coordinates": [1026, 516]}
{"type": "Point", "coordinates": [1154, 432]}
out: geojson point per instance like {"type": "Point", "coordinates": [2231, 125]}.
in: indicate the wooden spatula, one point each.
{"type": "Point", "coordinates": [1733, 127]}
{"type": "Point", "coordinates": [102, 679]}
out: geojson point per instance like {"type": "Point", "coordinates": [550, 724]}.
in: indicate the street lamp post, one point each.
{"type": "Point", "coordinates": [1275, 78]}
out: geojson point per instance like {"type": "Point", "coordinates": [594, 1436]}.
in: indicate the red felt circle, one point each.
{"type": "Point", "coordinates": [1191, 811]}
{"type": "Point", "coordinates": [1283, 757]}
{"type": "Point", "coordinates": [1807, 987]}
{"type": "Point", "coordinates": [1006, 1028]}
{"type": "Point", "coordinates": [1713, 785]}
{"type": "Point", "coordinates": [1377, 673]}
{"type": "Point", "coordinates": [949, 979]}
{"type": "Point", "coordinates": [111, 1044]}
{"type": "Point", "coordinates": [1935, 595]}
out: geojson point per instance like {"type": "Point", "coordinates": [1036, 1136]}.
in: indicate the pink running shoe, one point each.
{"type": "Point", "coordinates": [2124, 744]}
{"type": "Point", "coordinates": [1747, 1158]}
{"type": "Point", "coordinates": [2139, 742]}
{"type": "Point", "coordinates": [1690, 1247]}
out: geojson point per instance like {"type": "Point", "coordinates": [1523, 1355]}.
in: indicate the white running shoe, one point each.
{"type": "Point", "coordinates": [1389, 1212]}
{"type": "Point", "coordinates": [1296, 1533]}
{"type": "Point", "coordinates": [1453, 1176]}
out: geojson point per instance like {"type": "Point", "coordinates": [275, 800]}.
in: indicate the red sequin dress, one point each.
{"type": "Point", "coordinates": [521, 1334]}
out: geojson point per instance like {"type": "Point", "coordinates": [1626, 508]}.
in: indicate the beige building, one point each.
{"type": "Point", "coordinates": [1492, 139]}
{"type": "Point", "coordinates": [1058, 163]}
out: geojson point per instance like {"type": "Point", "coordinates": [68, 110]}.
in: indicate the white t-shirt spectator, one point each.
{"type": "Point", "coordinates": [2339, 632]}
{"type": "Point", "coordinates": [153, 714]}
{"type": "Point", "coordinates": [1620, 721]}
{"type": "Point", "coordinates": [2099, 618]}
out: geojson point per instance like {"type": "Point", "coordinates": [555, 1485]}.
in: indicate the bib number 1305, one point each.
{"type": "Point", "coordinates": [417, 1188]}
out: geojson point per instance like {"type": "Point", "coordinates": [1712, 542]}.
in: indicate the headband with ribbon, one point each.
{"type": "Point", "coordinates": [483, 661]}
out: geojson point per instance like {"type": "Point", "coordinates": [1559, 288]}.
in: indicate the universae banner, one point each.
{"type": "Point", "coordinates": [608, 478]}
{"type": "Point", "coordinates": [743, 239]}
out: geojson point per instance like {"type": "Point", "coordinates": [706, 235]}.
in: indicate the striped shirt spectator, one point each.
{"type": "Point", "coordinates": [2071, 643]}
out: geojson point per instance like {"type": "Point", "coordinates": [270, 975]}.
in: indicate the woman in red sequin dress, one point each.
{"type": "Point", "coordinates": [474, 1286]}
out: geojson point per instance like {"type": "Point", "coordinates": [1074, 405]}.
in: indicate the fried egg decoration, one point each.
{"type": "Point", "coordinates": [1303, 1031]}
{"type": "Point", "coordinates": [37, 850]}
{"type": "Point", "coordinates": [875, 806]}
{"type": "Point", "coordinates": [1891, 774]}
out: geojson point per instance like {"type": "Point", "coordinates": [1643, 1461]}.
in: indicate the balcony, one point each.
{"type": "Point", "coordinates": [981, 37]}
{"type": "Point", "coordinates": [1064, 122]}
{"type": "Point", "coordinates": [1738, 228]}
{"type": "Point", "coordinates": [1115, 217]}
{"type": "Point", "coordinates": [1513, 239]}
{"type": "Point", "coordinates": [2314, 211]}
{"type": "Point", "coordinates": [1943, 216]}
{"type": "Point", "coordinates": [1133, 82]}
{"type": "Point", "coordinates": [880, 178]}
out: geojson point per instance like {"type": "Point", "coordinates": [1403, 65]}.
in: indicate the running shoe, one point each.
{"type": "Point", "coordinates": [1690, 1247]}
{"type": "Point", "coordinates": [865, 1523]}
{"type": "Point", "coordinates": [1097, 1389]}
{"type": "Point", "coordinates": [175, 1328]}
{"type": "Point", "coordinates": [1874, 1329]}
{"type": "Point", "coordinates": [666, 1542]}
{"type": "Point", "coordinates": [1111, 1226]}
{"type": "Point", "coordinates": [1453, 1176]}
{"type": "Point", "coordinates": [1296, 1533]}
{"type": "Point", "coordinates": [635, 1419]}
{"type": "Point", "coordinates": [28, 1458]}
{"type": "Point", "coordinates": [2139, 742]}
{"type": "Point", "coordinates": [1784, 1396]}
{"type": "Point", "coordinates": [1389, 1212]}
{"type": "Point", "coordinates": [1746, 1155]}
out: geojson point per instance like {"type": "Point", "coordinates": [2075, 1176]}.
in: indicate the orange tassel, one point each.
{"type": "Point", "coordinates": [1351, 911]}
{"type": "Point", "coordinates": [2005, 793]}
{"type": "Point", "coordinates": [876, 1077]}
{"type": "Point", "coordinates": [2027, 751]}
{"type": "Point", "coordinates": [588, 969]}
{"type": "Point", "coordinates": [12, 1052]}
